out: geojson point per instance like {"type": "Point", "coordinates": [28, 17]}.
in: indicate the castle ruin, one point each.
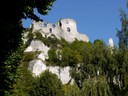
{"type": "Point", "coordinates": [64, 28]}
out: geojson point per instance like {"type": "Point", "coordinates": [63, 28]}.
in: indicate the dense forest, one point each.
{"type": "Point", "coordinates": [98, 70]}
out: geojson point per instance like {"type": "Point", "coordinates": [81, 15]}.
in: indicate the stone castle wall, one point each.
{"type": "Point", "coordinates": [65, 28]}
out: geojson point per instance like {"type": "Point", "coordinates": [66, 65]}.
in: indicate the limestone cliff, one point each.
{"type": "Point", "coordinates": [64, 28]}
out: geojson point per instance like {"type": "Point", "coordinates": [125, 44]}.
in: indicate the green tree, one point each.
{"type": "Point", "coordinates": [10, 69]}
{"type": "Point", "coordinates": [79, 73]}
{"type": "Point", "coordinates": [99, 55]}
{"type": "Point", "coordinates": [96, 86]}
{"type": "Point", "coordinates": [11, 28]}
{"type": "Point", "coordinates": [47, 84]}
{"type": "Point", "coordinates": [123, 33]}
{"type": "Point", "coordinates": [25, 82]}
{"type": "Point", "coordinates": [70, 57]}
{"type": "Point", "coordinates": [53, 58]}
{"type": "Point", "coordinates": [71, 90]}
{"type": "Point", "coordinates": [78, 45]}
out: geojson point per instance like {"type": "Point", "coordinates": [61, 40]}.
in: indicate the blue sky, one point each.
{"type": "Point", "coordinates": [98, 19]}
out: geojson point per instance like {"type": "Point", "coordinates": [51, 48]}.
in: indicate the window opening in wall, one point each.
{"type": "Point", "coordinates": [40, 23]}
{"type": "Point", "coordinates": [60, 24]}
{"type": "Point", "coordinates": [50, 30]}
{"type": "Point", "coordinates": [45, 25]}
{"type": "Point", "coordinates": [68, 29]}
{"type": "Point", "coordinates": [53, 25]}
{"type": "Point", "coordinates": [67, 22]}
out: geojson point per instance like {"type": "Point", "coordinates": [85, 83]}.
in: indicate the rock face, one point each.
{"type": "Point", "coordinates": [37, 67]}
{"type": "Point", "coordinates": [37, 45]}
{"type": "Point", "coordinates": [64, 28]}
{"type": "Point", "coordinates": [110, 43]}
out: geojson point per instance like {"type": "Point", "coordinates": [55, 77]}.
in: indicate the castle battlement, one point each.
{"type": "Point", "coordinates": [64, 28]}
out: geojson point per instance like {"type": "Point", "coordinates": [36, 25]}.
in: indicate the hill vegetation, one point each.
{"type": "Point", "coordinates": [97, 70]}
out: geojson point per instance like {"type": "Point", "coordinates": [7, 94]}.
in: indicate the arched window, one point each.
{"type": "Point", "coordinates": [45, 24]}
{"type": "Point", "coordinates": [53, 25]}
{"type": "Point", "coordinates": [60, 24]}
{"type": "Point", "coordinates": [67, 22]}
{"type": "Point", "coordinates": [68, 29]}
{"type": "Point", "coordinates": [50, 30]}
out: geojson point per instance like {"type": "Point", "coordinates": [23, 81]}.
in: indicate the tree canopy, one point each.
{"type": "Point", "coordinates": [12, 13]}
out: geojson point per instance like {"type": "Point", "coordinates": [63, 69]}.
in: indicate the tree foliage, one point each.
{"type": "Point", "coordinates": [97, 86]}
{"type": "Point", "coordinates": [47, 84]}
{"type": "Point", "coordinates": [11, 28]}
{"type": "Point", "coordinates": [123, 33]}
{"type": "Point", "coordinates": [71, 90]}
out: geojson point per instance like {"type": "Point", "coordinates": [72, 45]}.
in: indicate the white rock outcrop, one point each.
{"type": "Point", "coordinates": [62, 73]}
{"type": "Point", "coordinates": [37, 67]}
{"type": "Point", "coordinates": [110, 43]}
{"type": "Point", "coordinates": [37, 45]}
